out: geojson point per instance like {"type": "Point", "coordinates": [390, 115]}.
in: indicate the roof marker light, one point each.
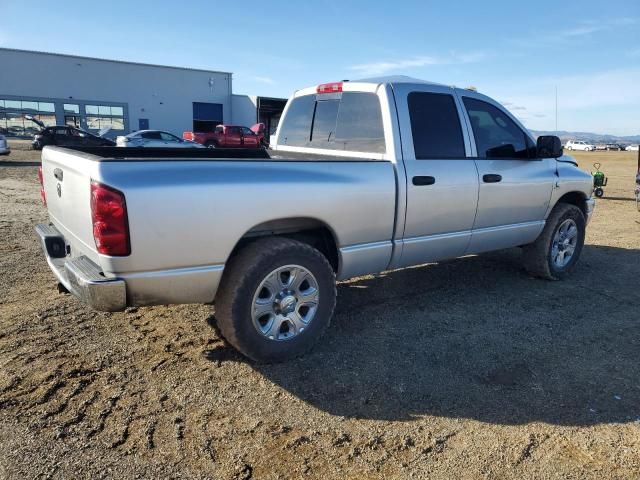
{"type": "Point", "coordinates": [333, 87]}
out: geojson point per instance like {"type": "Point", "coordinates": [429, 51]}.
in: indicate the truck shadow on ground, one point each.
{"type": "Point", "coordinates": [477, 338]}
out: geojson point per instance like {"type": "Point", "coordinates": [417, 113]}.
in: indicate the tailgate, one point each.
{"type": "Point", "coordinates": [67, 184]}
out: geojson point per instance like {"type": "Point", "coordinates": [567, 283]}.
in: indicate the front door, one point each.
{"type": "Point", "coordinates": [249, 139]}
{"type": "Point", "coordinates": [442, 183]}
{"type": "Point", "coordinates": [515, 186]}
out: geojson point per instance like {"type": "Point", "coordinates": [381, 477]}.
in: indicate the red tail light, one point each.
{"type": "Point", "coordinates": [110, 222]}
{"type": "Point", "coordinates": [188, 136]}
{"type": "Point", "coordinates": [43, 196]}
{"type": "Point", "coordinates": [333, 87]}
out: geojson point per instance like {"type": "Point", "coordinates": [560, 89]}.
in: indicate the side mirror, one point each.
{"type": "Point", "coordinates": [548, 146]}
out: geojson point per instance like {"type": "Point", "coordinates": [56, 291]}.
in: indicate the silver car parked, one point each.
{"type": "Point", "coordinates": [4, 146]}
{"type": "Point", "coordinates": [154, 138]}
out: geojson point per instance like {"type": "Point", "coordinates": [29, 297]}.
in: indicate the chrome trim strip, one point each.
{"type": "Point", "coordinates": [365, 246]}
{"type": "Point", "coordinates": [173, 271]}
{"type": "Point", "coordinates": [475, 231]}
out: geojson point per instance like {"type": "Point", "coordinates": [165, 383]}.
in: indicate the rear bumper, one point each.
{"type": "Point", "coordinates": [591, 205]}
{"type": "Point", "coordinates": [81, 276]}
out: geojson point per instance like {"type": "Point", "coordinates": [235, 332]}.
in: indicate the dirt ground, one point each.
{"type": "Point", "coordinates": [468, 369]}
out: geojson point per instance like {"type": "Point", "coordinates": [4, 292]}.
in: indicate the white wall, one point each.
{"type": "Point", "coordinates": [245, 110]}
{"type": "Point", "coordinates": [164, 95]}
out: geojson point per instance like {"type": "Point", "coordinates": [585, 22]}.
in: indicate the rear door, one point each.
{"type": "Point", "coordinates": [442, 183]}
{"type": "Point", "coordinates": [171, 141]}
{"type": "Point", "coordinates": [151, 139]}
{"type": "Point", "coordinates": [61, 136]}
{"type": "Point", "coordinates": [232, 137]}
{"type": "Point", "coordinates": [515, 186]}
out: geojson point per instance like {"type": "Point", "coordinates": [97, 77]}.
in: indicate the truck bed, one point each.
{"type": "Point", "coordinates": [188, 209]}
{"type": "Point", "coordinates": [118, 154]}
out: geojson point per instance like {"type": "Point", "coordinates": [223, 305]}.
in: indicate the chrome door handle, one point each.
{"type": "Point", "coordinates": [491, 178]}
{"type": "Point", "coordinates": [422, 180]}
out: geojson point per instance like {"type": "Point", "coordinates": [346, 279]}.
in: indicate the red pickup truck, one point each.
{"type": "Point", "coordinates": [230, 136]}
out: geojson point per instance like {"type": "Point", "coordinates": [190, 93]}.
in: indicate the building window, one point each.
{"type": "Point", "coordinates": [104, 116]}
{"type": "Point", "coordinates": [12, 112]}
{"type": "Point", "coordinates": [71, 108]}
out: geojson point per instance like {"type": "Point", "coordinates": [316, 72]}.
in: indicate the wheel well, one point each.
{"type": "Point", "coordinates": [575, 198]}
{"type": "Point", "coordinates": [307, 230]}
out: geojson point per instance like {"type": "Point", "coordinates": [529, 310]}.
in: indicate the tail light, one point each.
{"type": "Point", "coordinates": [43, 196]}
{"type": "Point", "coordinates": [110, 222]}
{"type": "Point", "coordinates": [188, 136]}
{"type": "Point", "coordinates": [334, 87]}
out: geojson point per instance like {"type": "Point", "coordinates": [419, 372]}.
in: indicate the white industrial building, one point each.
{"type": "Point", "coordinates": [94, 94]}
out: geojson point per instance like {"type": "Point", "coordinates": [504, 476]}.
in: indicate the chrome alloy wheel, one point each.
{"type": "Point", "coordinates": [564, 243]}
{"type": "Point", "coordinates": [285, 302]}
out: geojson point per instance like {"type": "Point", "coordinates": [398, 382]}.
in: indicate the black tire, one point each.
{"type": "Point", "coordinates": [210, 144]}
{"type": "Point", "coordinates": [242, 277]}
{"type": "Point", "coordinates": [537, 255]}
{"type": "Point", "coordinates": [599, 192]}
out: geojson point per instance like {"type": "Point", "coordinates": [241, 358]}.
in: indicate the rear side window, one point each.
{"type": "Point", "coordinates": [151, 135]}
{"type": "Point", "coordinates": [496, 135]}
{"type": "Point", "coordinates": [350, 121]}
{"type": "Point", "coordinates": [435, 126]}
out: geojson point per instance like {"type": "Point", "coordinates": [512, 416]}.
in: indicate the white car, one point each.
{"type": "Point", "coordinates": [4, 146]}
{"type": "Point", "coordinates": [579, 145]}
{"type": "Point", "coordinates": [154, 138]}
{"type": "Point", "coordinates": [632, 148]}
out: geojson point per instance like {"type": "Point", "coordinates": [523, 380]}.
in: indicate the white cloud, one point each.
{"type": "Point", "coordinates": [382, 67]}
{"type": "Point", "coordinates": [267, 80]}
{"type": "Point", "coordinates": [581, 30]}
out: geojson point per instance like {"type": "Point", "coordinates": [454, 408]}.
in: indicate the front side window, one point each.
{"type": "Point", "coordinates": [496, 135]}
{"type": "Point", "coordinates": [435, 126]}
{"type": "Point", "coordinates": [246, 131]}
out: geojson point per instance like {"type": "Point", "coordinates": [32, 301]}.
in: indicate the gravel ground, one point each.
{"type": "Point", "coordinates": [467, 368]}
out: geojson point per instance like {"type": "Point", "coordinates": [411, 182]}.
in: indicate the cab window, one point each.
{"type": "Point", "coordinates": [496, 135]}
{"type": "Point", "coordinates": [435, 126]}
{"type": "Point", "coordinates": [348, 121]}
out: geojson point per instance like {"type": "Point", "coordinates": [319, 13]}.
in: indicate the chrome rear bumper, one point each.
{"type": "Point", "coordinates": [80, 275]}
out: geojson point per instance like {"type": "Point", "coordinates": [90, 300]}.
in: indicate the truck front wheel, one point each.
{"type": "Point", "coordinates": [276, 299]}
{"type": "Point", "coordinates": [556, 251]}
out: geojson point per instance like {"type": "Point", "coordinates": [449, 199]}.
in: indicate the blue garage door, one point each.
{"type": "Point", "coordinates": [206, 116]}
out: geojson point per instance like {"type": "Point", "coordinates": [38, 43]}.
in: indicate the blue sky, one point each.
{"type": "Point", "coordinates": [516, 52]}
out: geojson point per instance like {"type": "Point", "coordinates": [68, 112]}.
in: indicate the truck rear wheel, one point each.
{"type": "Point", "coordinates": [556, 251]}
{"type": "Point", "coordinates": [276, 299]}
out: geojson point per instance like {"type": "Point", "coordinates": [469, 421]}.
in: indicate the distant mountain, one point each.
{"type": "Point", "coordinates": [590, 137]}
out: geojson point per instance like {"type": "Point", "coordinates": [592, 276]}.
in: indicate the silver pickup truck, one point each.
{"type": "Point", "coordinates": [363, 176]}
